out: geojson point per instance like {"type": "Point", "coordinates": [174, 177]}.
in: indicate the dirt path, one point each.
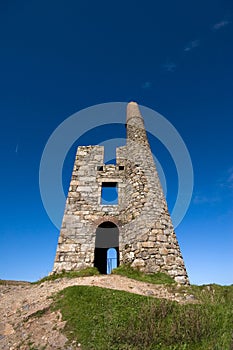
{"type": "Point", "coordinates": [19, 330]}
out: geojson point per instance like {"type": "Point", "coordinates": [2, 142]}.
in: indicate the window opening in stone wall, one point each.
{"type": "Point", "coordinates": [121, 167]}
{"type": "Point", "coordinates": [100, 168]}
{"type": "Point", "coordinates": [109, 193]}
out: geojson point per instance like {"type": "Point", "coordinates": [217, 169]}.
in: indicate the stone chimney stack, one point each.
{"type": "Point", "coordinates": [133, 111]}
{"type": "Point", "coordinates": [135, 125]}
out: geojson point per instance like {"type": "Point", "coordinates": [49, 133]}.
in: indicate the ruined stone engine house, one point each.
{"type": "Point", "coordinates": [136, 229]}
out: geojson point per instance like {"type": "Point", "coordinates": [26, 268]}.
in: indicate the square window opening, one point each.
{"type": "Point", "coordinates": [109, 193]}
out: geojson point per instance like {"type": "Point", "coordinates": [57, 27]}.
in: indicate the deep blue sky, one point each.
{"type": "Point", "coordinates": [59, 57]}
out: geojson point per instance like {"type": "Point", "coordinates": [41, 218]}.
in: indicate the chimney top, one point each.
{"type": "Point", "coordinates": [133, 111]}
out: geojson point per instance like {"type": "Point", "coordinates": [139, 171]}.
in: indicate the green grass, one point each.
{"type": "Point", "coordinates": [90, 271]}
{"type": "Point", "coordinates": [156, 278]}
{"type": "Point", "coordinates": [102, 319]}
{"type": "Point", "coordinates": [123, 270]}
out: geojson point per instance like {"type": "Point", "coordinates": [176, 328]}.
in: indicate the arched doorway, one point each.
{"type": "Point", "coordinates": [107, 236]}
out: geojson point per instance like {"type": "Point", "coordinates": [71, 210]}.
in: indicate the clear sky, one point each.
{"type": "Point", "coordinates": [59, 57]}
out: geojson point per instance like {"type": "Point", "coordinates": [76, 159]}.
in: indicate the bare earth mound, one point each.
{"type": "Point", "coordinates": [21, 303]}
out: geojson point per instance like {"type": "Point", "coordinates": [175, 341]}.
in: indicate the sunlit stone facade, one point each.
{"type": "Point", "coordinates": [146, 237]}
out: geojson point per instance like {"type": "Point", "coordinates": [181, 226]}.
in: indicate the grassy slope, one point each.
{"type": "Point", "coordinates": [100, 318]}
{"type": "Point", "coordinates": [106, 319]}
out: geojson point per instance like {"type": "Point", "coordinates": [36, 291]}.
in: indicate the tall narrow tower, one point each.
{"type": "Point", "coordinates": [135, 228]}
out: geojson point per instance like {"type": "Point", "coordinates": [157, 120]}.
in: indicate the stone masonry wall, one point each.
{"type": "Point", "coordinates": [146, 235]}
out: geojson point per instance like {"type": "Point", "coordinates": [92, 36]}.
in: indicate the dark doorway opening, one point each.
{"type": "Point", "coordinates": [107, 236]}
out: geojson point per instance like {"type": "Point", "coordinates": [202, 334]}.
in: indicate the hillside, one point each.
{"type": "Point", "coordinates": [112, 312]}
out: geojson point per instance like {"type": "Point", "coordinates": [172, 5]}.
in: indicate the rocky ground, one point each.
{"type": "Point", "coordinates": [21, 303]}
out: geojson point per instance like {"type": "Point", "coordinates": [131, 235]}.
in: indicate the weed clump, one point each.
{"type": "Point", "coordinates": [155, 278]}
{"type": "Point", "coordinates": [89, 271]}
